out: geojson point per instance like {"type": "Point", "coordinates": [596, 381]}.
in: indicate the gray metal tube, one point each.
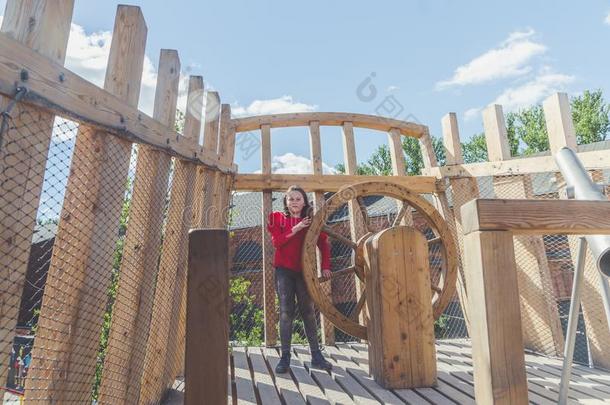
{"type": "Point", "coordinates": [568, 352]}
{"type": "Point", "coordinates": [578, 179]}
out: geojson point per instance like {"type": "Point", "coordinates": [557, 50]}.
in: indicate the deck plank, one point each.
{"type": "Point", "coordinates": [307, 386]}
{"type": "Point", "coordinates": [285, 384]}
{"type": "Point", "coordinates": [332, 390]}
{"type": "Point", "coordinates": [243, 379]}
{"type": "Point", "coordinates": [262, 378]}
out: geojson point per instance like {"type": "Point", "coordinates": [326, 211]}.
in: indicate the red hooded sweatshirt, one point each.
{"type": "Point", "coordinates": [288, 250]}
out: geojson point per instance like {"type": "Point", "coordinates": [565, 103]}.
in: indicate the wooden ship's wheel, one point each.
{"type": "Point", "coordinates": [442, 285]}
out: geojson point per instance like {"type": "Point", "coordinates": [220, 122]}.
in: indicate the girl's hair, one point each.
{"type": "Point", "coordinates": [307, 209]}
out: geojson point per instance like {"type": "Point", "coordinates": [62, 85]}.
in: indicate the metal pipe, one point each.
{"type": "Point", "coordinates": [568, 352]}
{"type": "Point", "coordinates": [578, 180]}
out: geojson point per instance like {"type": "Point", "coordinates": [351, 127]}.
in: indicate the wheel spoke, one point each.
{"type": "Point", "coordinates": [401, 214]}
{"type": "Point", "coordinates": [434, 240]}
{"type": "Point", "coordinates": [338, 273]}
{"type": "Point", "coordinates": [327, 229]}
{"type": "Point", "coordinates": [365, 214]}
{"type": "Point", "coordinates": [356, 312]}
{"type": "Point", "coordinates": [435, 288]}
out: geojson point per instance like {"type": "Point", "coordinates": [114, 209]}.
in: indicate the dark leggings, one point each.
{"type": "Point", "coordinates": [290, 284]}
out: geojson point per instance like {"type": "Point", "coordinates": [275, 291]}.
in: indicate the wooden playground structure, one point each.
{"type": "Point", "coordinates": [169, 330]}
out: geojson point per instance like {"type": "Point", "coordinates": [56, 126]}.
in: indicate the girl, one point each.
{"type": "Point", "coordinates": [288, 230]}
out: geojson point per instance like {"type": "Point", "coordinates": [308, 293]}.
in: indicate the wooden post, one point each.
{"type": "Point", "coordinates": [207, 317]}
{"type": "Point", "coordinates": [497, 343]}
{"type": "Point", "coordinates": [174, 358]}
{"type": "Point", "coordinates": [399, 168]}
{"type": "Point", "coordinates": [204, 211]}
{"type": "Point", "coordinates": [67, 338]}
{"type": "Point", "coordinates": [440, 198]}
{"type": "Point", "coordinates": [357, 226]}
{"type": "Point", "coordinates": [401, 326]}
{"type": "Point", "coordinates": [43, 26]}
{"type": "Point", "coordinates": [144, 237]}
{"type": "Point", "coordinates": [270, 314]}
{"type": "Point", "coordinates": [226, 152]}
{"type": "Point", "coordinates": [328, 329]}
{"type": "Point", "coordinates": [541, 326]}
{"type": "Point", "coordinates": [561, 133]}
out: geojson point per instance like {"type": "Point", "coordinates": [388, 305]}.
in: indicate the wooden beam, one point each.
{"type": "Point", "coordinates": [399, 167]}
{"type": "Point", "coordinates": [327, 182]}
{"type": "Point", "coordinates": [226, 152]}
{"type": "Point", "coordinates": [207, 336]}
{"type": "Point", "coordinates": [41, 27]}
{"type": "Point", "coordinates": [531, 217]}
{"type": "Point", "coordinates": [451, 140]}
{"type": "Point", "coordinates": [58, 90]}
{"type": "Point", "coordinates": [192, 128]}
{"type": "Point", "coordinates": [328, 119]}
{"type": "Point", "coordinates": [558, 117]}
{"type": "Point", "coordinates": [269, 293]}
{"type": "Point", "coordinates": [315, 146]}
{"type": "Point", "coordinates": [597, 159]}
{"type": "Point", "coordinates": [452, 146]}
{"type": "Point", "coordinates": [537, 299]}
{"type": "Point", "coordinates": [497, 344]}
{"type": "Point", "coordinates": [496, 137]}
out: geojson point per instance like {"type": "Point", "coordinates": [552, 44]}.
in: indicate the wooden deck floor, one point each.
{"type": "Point", "coordinates": [253, 380]}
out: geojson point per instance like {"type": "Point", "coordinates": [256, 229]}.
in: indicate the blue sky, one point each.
{"type": "Point", "coordinates": [428, 58]}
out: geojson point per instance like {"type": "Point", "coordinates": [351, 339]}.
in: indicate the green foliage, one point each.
{"type": "Point", "coordinates": [179, 123]}
{"type": "Point", "coordinates": [590, 116]}
{"type": "Point", "coordinates": [247, 324]}
{"type": "Point", "coordinates": [475, 150]}
{"type": "Point", "coordinates": [441, 327]}
{"type": "Point", "coordinates": [528, 127]}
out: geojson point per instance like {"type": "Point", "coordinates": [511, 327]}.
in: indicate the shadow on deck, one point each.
{"type": "Point", "coordinates": [254, 382]}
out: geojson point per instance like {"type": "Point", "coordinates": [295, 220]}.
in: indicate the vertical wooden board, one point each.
{"type": "Point", "coordinates": [43, 26]}
{"type": "Point", "coordinates": [402, 325]}
{"type": "Point", "coordinates": [539, 312]}
{"type": "Point", "coordinates": [596, 324]}
{"type": "Point", "coordinates": [155, 312]}
{"type": "Point", "coordinates": [328, 329]}
{"type": "Point", "coordinates": [560, 127]}
{"type": "Point", "coordinates": [451, 140]}
{"type": "Point", "coordinates": [75, 293]}
{"type": "Point", "coordinates": [270, 314]}
{"type": "Point", "coordinates": [399, 168]}
{"type": "Point", "coordinates": [207, 336]}
{"type": "Point", "coordinates": [496, 136]}
{"type": "Point", "coordinates": [497, 342]}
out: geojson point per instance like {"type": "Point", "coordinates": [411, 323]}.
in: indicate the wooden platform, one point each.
{"type": "Point", "coordinates": [253, 380]}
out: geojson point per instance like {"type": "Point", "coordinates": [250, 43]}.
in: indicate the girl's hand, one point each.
{"type": "Point", "coordinates": [302, 225]}
{"type": "Point", "coordinates": [326, 273]}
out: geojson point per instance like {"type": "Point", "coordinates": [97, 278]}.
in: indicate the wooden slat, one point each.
{"type": "Point", "coordinates": [326, 182]}
{"type": "Point", "coordinates": [590, 159]}
{"type": "Point", "coordinates": [76, 286]}
{"type": "Point", "coordinates": [453, 151]}
{"type": "Point", "coordinates": [497, 349]}
{"type": "Point", "coordinates": [134, 301]}
{"type": "Point", "coordinates": [561, 133]}
{"type": "Point", "coordinates": [226, 151]}
{"type": "Point", "coordinates": [399, 168]}
{"type": "Point", "coordinates": [80, 100]}
{"type": "Point", "coordinates": [332, 390]}
{"type": "Point", "coordinates": [538, 301]}
{"type": "Point", "coordinates": [330, 119]}
{"type": "Point", "coordinates": [42, 27]}
{"type": "Point", "coordinates": [307, 386]}
{"type": "Point", "coordinates": [243, 380]}
{"type": "Point", "coordinates": [207, 336]}
{"type": "Point", "coordinates": [192, 128]}
{"type": "Point", "coordinates": [262, 380]}
{"type": "Point", "coordinates": [286, 387]}
{"type": "Point", "coordinates": [315, 146]}
{"type": "Point", "coordinates": [571, 217]}
{"type": "Point", "coordinates": [269, 294]}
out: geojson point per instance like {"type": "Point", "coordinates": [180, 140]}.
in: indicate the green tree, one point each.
{"type": "Point", "coordinates": [590, 116]}
{"type": "Point", "coordinates": [475, 149]}
{"type": "Point", "coordinates": [529, 128]}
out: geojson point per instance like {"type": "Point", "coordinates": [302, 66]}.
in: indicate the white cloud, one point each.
{"type": "Point", "coordinates": [290, 163]}
{"type": "Point", "coordinates": [392, 88]}
{"type": "Point", "coordinates": [472, 113]}
{"type": "Point", "coordinates": [284, 104]}
{"type": "Point", "coordinates": [533, 91]}
{"type": "Point", "coordinates": [509, 59]}
{"type": "Point", "coordinates": [607, 19]}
